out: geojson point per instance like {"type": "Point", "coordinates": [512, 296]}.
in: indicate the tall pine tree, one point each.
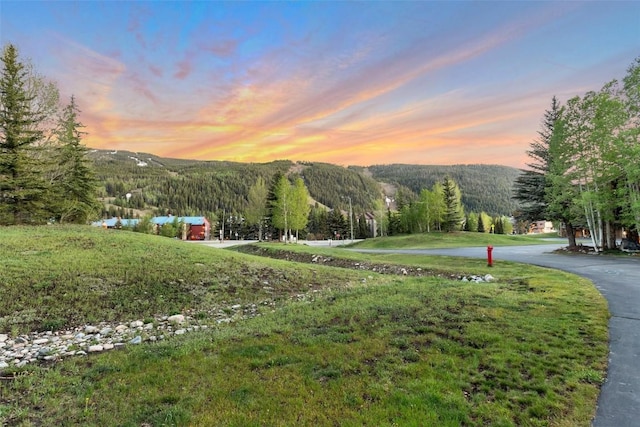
{"type": "Point", "coordinates": [529, 188]}
{"type": "Point", "coordinates": [74, 185]}
{"type": "Point", "coordinates": [454, 214]}
{"type": "Point", "coordinates": [23, 189]}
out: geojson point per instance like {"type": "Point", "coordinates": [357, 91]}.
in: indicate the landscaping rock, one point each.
{"type": "Point", "coordinates": [79, 341]}
{"type": "Point", "coordinates": [176, 319]}
{"type": "Point", "coordinates": [106, 331]}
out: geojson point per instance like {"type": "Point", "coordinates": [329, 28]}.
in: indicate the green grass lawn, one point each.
{"type": "Point", "coordinates": [452, 240]}
{"type": "Point", "coordinates": [527, 350]}
{"type": "Point", "coordinates": [53, 277]}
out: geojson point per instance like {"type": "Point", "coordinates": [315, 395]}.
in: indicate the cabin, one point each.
{"type": "Point", "coordinates": [193, 228]}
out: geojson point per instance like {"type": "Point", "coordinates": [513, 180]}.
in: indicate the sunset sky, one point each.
{"type": "Point", "coordinates": [350, 83]}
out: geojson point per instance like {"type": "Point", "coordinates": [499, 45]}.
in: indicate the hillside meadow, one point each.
{"type": "Point", "coordinates": [360, 348]}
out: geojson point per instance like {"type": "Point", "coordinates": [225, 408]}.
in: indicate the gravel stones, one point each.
{"type": "Point", "coordinates": [478, 279]}
{"type": "Point", "coordinates": [54, 345]}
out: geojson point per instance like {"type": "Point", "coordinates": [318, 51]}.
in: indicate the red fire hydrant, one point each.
{"type": "Point", "coordinates": [489, 257]}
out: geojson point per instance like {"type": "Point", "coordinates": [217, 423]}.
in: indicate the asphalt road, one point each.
{"type": "Point", "coordinates": [618, 280]}
{"type": "Point", "coordinates": [229, 243]}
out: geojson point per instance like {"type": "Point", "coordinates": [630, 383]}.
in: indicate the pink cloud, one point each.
{"type": "Point", "coordinates": [223, 48]}
{"type": "Point", "coordinates": [141, 87]}
{"type": "Point", "coordinates": [138, 15]}
{"type": "Point", "coordinates": [156, 71]}
{"type": "Point", "coordinates": [184, 68]}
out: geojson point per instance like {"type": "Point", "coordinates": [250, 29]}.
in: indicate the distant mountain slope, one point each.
{"type": "Point", "coordinates": [182, 187]}
{"type": "Point", "coordinates": [334, 185]}
{"type": "Point", "coordinates": [485, 188]}
{"type": "Point", "coordinates": [196, 187]}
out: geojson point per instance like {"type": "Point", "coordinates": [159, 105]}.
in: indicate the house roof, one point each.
{"type": "Point", "coordinates": [159, 220]}
{"type": "Point", "coordinates": [191, 220]}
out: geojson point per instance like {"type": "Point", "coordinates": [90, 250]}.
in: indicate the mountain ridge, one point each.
{"type": "Point", "coordinates": [188, 186]}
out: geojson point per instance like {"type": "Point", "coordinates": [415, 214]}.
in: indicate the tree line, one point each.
{"type": "Point", "coordinates": [585, 164]}
{"type": "Point", "coordinates": [44, 174]}
{"type": "Point", "coordinates": [485, 188]}
{"type": "Point", "coordinates": [441, 209]}
{"type": "Point", "coordinates": [222, 192]}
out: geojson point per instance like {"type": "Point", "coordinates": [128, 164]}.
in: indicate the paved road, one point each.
{"type": "Point", "coordinates": [229, 243]}
{"type": "Point", "coordinates": [618, 280]}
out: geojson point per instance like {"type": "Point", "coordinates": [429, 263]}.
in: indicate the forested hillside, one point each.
{"type": "Point", "coordinates": [485, 188]}
{"type": "Point", "coordinates": [181, 187]}
{"type": "Point", "coordinates": [194, 187]}
{"type": "Point", "coordinates": [333, 185]}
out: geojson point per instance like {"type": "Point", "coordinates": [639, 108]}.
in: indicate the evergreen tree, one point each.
{"type": "Point", "coordinates": [362, 231]}
{"type": "Point", "coordinates": [481, 227]}
{"type": "Point", "coordinates": [394, 223]}
{"type": "Point", "coordinates": [404, 197]}
{"type": "Point", "coordinates": [337, 224]}
{"type": "Point", "coordinates": [270, 227]}
{"type": "Point", "coordinates": [466, 224]}
{"type": "Point", "coordinates": [23, 190]}
{"type": "Point", "coordinates": [437, 207]}
{"type": "Point", "coordinates": [454, 214]}
{"type": "Point", "coordinates": [472, 221]}
{"type": "Point", "coordinates": [539, 189]}
{"type": "Point", "coordinates": [74, 186]}
{"type": "Point", "coordinates": [487, 222]}
{"type": "Point", "coordinates": [529, 188]}
{"type": "Point", "coordinates": [318, 218]}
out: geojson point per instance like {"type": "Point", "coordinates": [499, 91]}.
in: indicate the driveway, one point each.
{"type": "Point", "coordinates": [618, 280]}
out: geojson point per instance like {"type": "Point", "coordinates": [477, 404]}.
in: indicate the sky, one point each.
{"type": "Point", "coordinates": [350, 83]}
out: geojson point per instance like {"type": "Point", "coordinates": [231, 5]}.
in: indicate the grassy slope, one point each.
{"type": "Point", "coordinates": [450, 240]}
{"type": "Point", "coordinates": [54, 277]}
{"type": "Point", "coordinates": [369, 350]}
